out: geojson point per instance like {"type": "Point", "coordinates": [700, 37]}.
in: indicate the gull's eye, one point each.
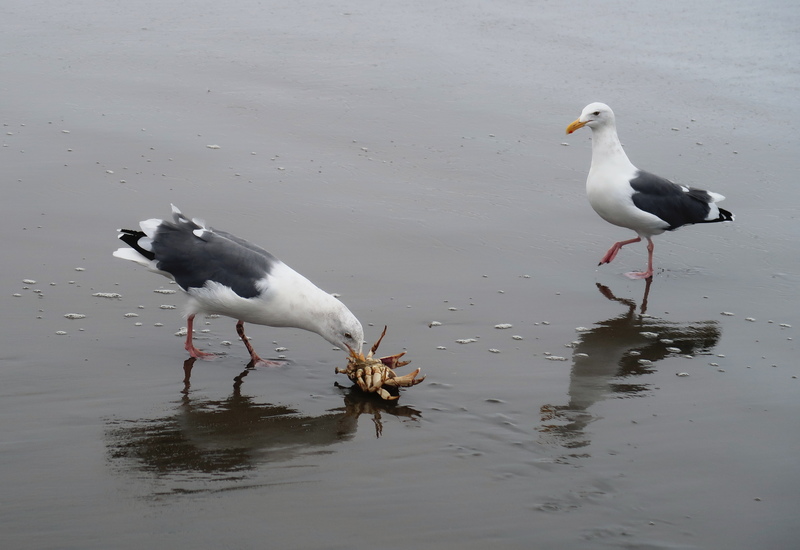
{"type": "Point", "coordinates": [596, 113]}
{"type": "Point", "coordinates": [348, 335]}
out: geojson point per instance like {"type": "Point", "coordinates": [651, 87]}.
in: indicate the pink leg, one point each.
{"type": "Point", "coordinates": [255, 360]}
{"type": "Point", "coordinates": [649, 273]}
{"type": "Point", "coordinates": [193, 351]}
{"type": "Point", "coordinates": [612, 252]}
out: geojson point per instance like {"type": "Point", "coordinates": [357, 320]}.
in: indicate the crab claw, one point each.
{"type": "Point", "coordinates": [392, 361]}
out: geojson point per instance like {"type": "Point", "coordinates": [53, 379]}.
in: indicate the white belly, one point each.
{"type": "Point", "coordinates": [613, 202]}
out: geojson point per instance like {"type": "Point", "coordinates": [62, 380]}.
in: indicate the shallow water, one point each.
{"type": "Point", "coordinates": [411, 158]}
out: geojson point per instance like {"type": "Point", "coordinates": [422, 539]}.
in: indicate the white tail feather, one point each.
{"type": "Point", "coordinates": [149, 227]}
{"type": "Point", "coordinates": [132, 255]}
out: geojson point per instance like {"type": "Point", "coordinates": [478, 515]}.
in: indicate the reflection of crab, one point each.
{"type": "Point", "coordinates": [375, 375]}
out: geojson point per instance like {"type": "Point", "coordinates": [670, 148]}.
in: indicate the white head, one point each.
{"type": "Point", "coordinates": [341, 328]}
{"type": "Point", "coordinates": [594, 115]}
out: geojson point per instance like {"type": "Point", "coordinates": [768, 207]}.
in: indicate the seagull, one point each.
{"type": "Point", "coordinates": [628, 197]}
{"type": "Point", "coordinates": [226, 275]}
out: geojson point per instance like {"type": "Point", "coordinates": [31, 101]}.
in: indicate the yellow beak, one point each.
{"type": "Point", "coordinates": [575, 125]}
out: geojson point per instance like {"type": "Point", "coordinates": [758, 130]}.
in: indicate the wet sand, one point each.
{"type": "Point", "coordinates": [411, 158]}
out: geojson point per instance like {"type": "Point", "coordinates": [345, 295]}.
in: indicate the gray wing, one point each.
{"type": "Point", "coordinates": [675, 204]}
{"type": "Point", "coordinates": [213, 256]}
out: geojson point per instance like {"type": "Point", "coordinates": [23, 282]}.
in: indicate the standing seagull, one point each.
{"type": "Point", "coordinates": [626, 196]}
{"type": "Point", "coordinates": [226, 275]}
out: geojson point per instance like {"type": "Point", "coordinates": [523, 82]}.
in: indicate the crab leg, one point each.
{"type": "Point", "coordinates": [378, 343]}
{"type": "Point", "coordinates": [386, 396]}
{"type": "Point", "coordinates": [406, 380]}
{"type": "Point", "coordinates": [377, 379]}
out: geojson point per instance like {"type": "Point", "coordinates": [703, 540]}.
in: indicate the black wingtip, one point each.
{"type": "Point", "coordinates": [131, 238]}
{"type": "Point", "coordinates": [725, 216]}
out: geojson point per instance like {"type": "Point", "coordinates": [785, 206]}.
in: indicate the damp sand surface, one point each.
{"type": "Point", "coordinates": [411, 158]}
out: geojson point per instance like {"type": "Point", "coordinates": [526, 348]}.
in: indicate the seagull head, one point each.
{"type": "Point", "coordinates": [353, 336]}
{"type": "Point", "coordinates": [341, 328]}
{"type": "Point", "coordinates": [594, 115]}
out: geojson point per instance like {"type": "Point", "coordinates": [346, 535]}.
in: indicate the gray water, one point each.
{"type": "Point", "coordinates": [410, 157]}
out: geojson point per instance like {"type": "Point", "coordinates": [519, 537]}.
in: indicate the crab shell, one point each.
{"type": "Point", "coordinates": [372, 374]}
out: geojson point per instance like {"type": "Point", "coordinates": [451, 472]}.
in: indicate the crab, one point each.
{"type": "Point", "coordinates": [375, 374]}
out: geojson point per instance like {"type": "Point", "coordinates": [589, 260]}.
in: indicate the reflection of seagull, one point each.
{"type": "Point", "coordinates": [628, 197]}
{"type": "Point", "coordinates": [605, 291]}
{"type": "Point", "coordinates": [223, 438]}
{"type": "Point", "coordinates": [226, 275]}
{"type": "Point", "coordinates": [357, 402]}
{"type": "Point", "coordinates": [608, 356]}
